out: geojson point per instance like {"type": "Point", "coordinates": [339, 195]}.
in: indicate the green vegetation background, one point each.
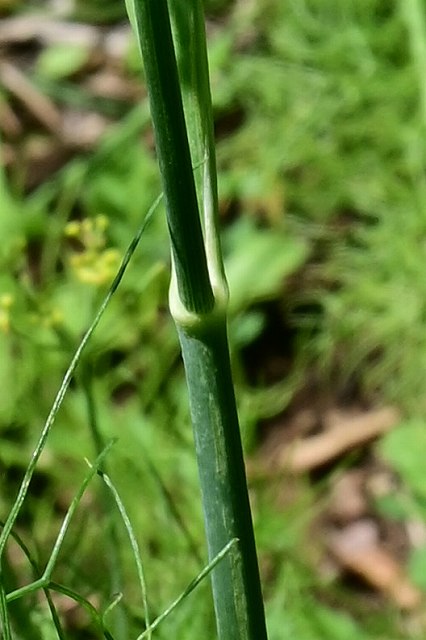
{"type": "Point", "coordinates": [321, 116]}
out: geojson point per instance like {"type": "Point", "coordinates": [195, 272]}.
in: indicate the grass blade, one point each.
{"type": "Point", "coordinates": [10, 521]}
{"type": "Point", "coordinates": [37, 574]}
{"type": "Point", "coordinates": [133, 543]}
{"type": "Point", "coordinates": [45, 578]}
{"type": "Point", "coordinates": [5, 622]}
{"type": "Point", "coordinates": [192, 585]}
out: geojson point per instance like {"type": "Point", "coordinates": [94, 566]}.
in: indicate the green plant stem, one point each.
{"type": "Point", "coordinates": [192, 585]}
{"type": "Point", "coordinates": [133, 544]}
{"type": "Point", "coordinates": [44, 580]}
{"type": "Point", "coordinates": [112, 539]}
{"type": "Point", "coordinates": [198, 303]}
{"type": "Point", "coordinates": [4, 616]}
{"type": "Point", "coordinates": [36, 573]}
{"type": "Point", "coordinates": [57, 403]}
{"type": "Point", "coordinates": [153, 24]}
{"type": "Point", "coordinates": [191, 52]}
{"type": "Point", "coordinates": [236, 582]}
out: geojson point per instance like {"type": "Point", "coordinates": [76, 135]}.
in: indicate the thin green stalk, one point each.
{"type": "Point", "coordinates": [57, 403]}
{"type": "Point", "coordinates": [192, 585]}
{"type": "Point", "coordinates": [133, 544]}
{"type": "Point", "coordinates": [4, 616]}
{"type": "Point", "coordinates": [36, 573]}
{"type": "Point", "coordinates": [201, 326]}
{"type": "Point", "coordinates": [112, 540]}
{"type": "Point", "coordinates": [23, 489]}
{"type": "Point", "coordinates": [191, 52]}
{"type": "Point", "coordinates": [44, 580]}
{"type": "Point", "coordinates": [86, 604]}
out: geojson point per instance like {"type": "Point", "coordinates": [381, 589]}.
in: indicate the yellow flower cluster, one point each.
{"type": "Point", "coordinates": [94, 264]}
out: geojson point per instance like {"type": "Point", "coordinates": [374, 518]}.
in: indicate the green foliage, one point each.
{"type": "Point", "coordinates": [247, 248]}
{"type": "Point", "coordinates": [343, 163]}
{"type": "Point", "coordinates": [326, 72]}
{"type": "Point", "coordinates": [321, 155]}
{"type": "Point", "coordinates": [98, 12]}
{"type": "Point", "coordinates": [417, 566]}
{"type": "Point", "coordinates": [60, 61]}
{"type": "Point", "coordinates": [377, 315]}
{"type": "Point", "coordinates": [403, 449]}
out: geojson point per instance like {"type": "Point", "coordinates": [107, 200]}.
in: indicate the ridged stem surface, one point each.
{"type": "Point", "coordinates": [199, 298]}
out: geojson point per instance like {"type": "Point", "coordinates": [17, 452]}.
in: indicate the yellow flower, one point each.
{"type": "Point", "coordinates": [72, 229]}
{"type": "Point", "coordinates": [95, 264]}
{"type": "Point", "coordinates": [101, 222]}
{"type": "Point", "coordinates": [93, 268]}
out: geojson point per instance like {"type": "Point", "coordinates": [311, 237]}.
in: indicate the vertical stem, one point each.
{"type": "Point", "coordinates": [236, 583]}
{"type": "Point", "coordinates": [153, 25]}
{"type": "Point", "coordinates": [191, 51]}
{"type": "Point", "coordinates": [200, 316]}
{"type": "Point", "coordinates": [111, 535]}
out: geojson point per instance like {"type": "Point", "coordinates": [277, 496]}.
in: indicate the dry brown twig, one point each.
{"type": "Point", "coordinates": [35, 102]}
{"type": "Point", "coordinates": [314, 451]}
{"type": "Point", "coordinates": [342, 434]}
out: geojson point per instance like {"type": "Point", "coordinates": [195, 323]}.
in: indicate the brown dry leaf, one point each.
{"type": "Point", "coordinates": [41, 157]}
{"type": "Point", "coordinates": [36, 103]}
{"type": "Point", "coordinates": [107, 83]}
{"type": "Point", "coordinates": [358, 549]}
{"type": "Point", "coordinates": [82, 129]}
{"type": "Point", "coordinates": [314, 451]}
{"type": "Point", "coordinates": [10, 125]}
{"type": "Point", "coordinates": [25, 28]}
{"type": "Point", "coordinates": [348, 500]}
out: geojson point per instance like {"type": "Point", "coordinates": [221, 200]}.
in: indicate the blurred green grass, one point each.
{"type": "Point", "coordinates": [320, 129]}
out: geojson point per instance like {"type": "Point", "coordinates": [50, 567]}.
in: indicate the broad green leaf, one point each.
{"type": "Point", "coordinates": [258, 261]}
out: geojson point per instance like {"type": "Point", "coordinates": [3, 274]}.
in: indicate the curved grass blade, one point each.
{"type": "Point", "coordinates": [133, 543]}
{"type": "Point", "coordinates": [115, 572]}
{"type": "Point", "coordinates": [192, 585]}
{"type": "Point", "coordinates": [37, 573]}
{"type": "Point", "coordinates": [88, 606]}
{"type": "Point", "coordinates": [45, 578]}
{"type": "Point", "coordinates": [10, 521]}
